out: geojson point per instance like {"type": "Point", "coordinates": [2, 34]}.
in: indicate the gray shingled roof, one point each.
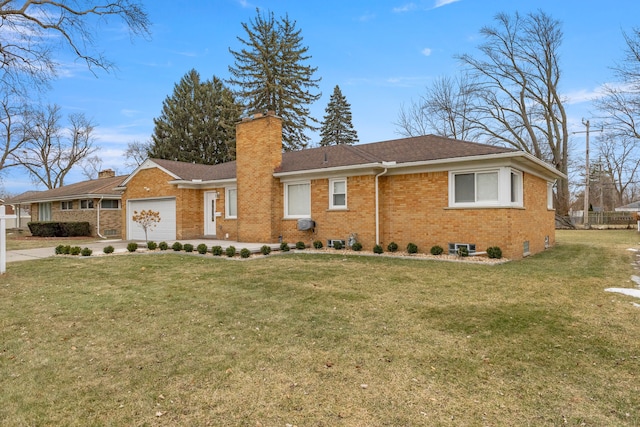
{"type": "Point", "coordinates": [406, 150]}
{"type": "Point", "coordinates": [102, 187]}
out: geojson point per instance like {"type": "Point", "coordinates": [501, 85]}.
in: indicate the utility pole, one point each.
{"type": "Point", "coordinates": [587, 177]}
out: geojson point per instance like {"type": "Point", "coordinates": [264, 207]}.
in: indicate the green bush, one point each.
{"type": "Point", "coordinates": [132, 247]}
{"type": "Point", "coordinates": [436, 250]}
{"type": "Point", "coordinates": [152, 246]}
{"type": "Point", "coordinates": [216, 250]}
{"type": "Point", "coordinates": [75, 250]}
{"type": "Point", "coordinates": [188, 247]}
{"type": "Point", "coordinates": [230, 251]}
{"type": "Point", "coordinates": [337, 245]}
{"type": "Point", "coordinates": [59, 229]}
{"type": "Point", "coordinates": [163, 246]}
{"type": "Point", "coordinates": [377, 249]}
{"type": "Point", "coordinates": [463, 251]}
{"type": "Point", "coordinates": [108, 249]}
{"type": "Point", "coordinates": [265, 250]}
{"type": "Point", "coordinates": [59, 249]}
{"type": "Point", "coordinates": [357, 246]}
{"type": "Point", "coordinates": [317, 244]}
{"type": "Point", "coordinates": [494, 252]}
{"type": "Point", "coordinates": [86, 252]}
{"type": "Point", "coordinates": [300, 245]}
{"type": "Point", "coordinates": [177, 246]}
{"type": "Point", "coordinates": [202, 248]}
{"type": "Point", "coordinates": [392, 247]}
{"type": "Point", "coordinates": [284, 247]}
{"type": "Point", "coordinates": [412, 248]}
{"type": "Point", "coordinates": [245, 253]}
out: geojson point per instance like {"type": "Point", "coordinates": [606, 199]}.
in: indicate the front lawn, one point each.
{"type": "Point", "coordinates": [323, 340]}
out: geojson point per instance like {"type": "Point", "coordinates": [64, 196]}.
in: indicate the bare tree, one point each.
{"type": "Point", "coordinates": [516, 91]}
{"type": "Point", "coordinates": [620, 160]}
{"type": "Point", "coordinates": [32, 31]}
{"type": "Point", "coordinates": [52, 151]}
{"type": "Point", "coordinates": [12, 130]}
{"type": "Point", "coordinates": [137, 152]}
{"type": "Point", "coordinates": [445, 109]}
{"type": "Point", "coordinates": [91, 166]}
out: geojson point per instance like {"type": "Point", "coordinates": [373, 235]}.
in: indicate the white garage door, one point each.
{"type": "Point", "coordinates": [165, 230]}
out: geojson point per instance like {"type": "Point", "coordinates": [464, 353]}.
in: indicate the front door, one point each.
{"type": "Point", "coordinates": [210, 213]}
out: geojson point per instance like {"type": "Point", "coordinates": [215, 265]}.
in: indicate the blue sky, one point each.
{"type": "Point", "coordinates": [382, 54]}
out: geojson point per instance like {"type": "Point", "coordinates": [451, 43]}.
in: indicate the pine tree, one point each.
{"type": "Point", "coordinates": [337, 127]}
{"type": "Point", "coordinates": [270, 75]}
{"type": "Point", "coordinates": [197, 123]}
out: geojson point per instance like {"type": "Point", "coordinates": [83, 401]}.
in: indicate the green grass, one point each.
{"type": "Point", "coordinates": [331, 340]}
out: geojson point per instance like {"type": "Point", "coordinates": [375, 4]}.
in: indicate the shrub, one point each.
{"type": "Point", "coordinates": [337, 245]}
{"type": "Point", "coordinates": [188, 247]}
{"type": "Point", "coordinates": [152, 246]}
{"type": "Point", "coordinates": [108, 249]}
{"type": "Point", "coordinates": [202, 248]}
{"type": "Point", "coordinates": [59, 249]}
{"type": "Point", "coordinates": [357, 246]}
{"type": "Point", "coordinates": [317, 244]}
{"type": "Point", "coordinates": [494, 252]}
{"type": "Point", "coordinates": [86, 252]}
{"type": "Point", "coordinates": [300, 245]}
{"type": "Point", "coordinates": [163, 246]}
{"type": "Point", "coordinates": [284, 247]}
{"type": "Point", "coordinates": [59, 229]}
{"type": "Point", "coordinates": [216, 250]}
{"type": "Point", "coordinates": [132, 247]}
{"type": "Point", "coordinates": [412, 248]}
{"type": "Point", "coordinates": [436, 250]}
{"type": "Point", "coordinates": [377, 249]}
{"type": "Point", "coordinates": [230, 251]}
{"type": "Point", "coordinates": [265, 250]}
{"type": "Point", "coordinates": [463, 251]}
{"type": "Point", "coordinates": [177, 246]}
{"type": "Point", "coordinates": [392, 247]}
{"type": "Point", "coordinates": [245, 253]}
{"type": "Point", "coordinates": [75, 250]}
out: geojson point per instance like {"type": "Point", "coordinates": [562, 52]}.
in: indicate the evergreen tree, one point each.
{"type": "Point", "coordinates": [270, 75]}
{"type": "Point", "coordinates": [337, 127]}
{"type": "Point", "coordinates": [197, 123]}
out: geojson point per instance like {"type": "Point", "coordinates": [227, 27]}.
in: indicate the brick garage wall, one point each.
{"type": "Point", "coordinates": [414, 208]}
{"type": "Point", "coordinates": [359, 218]}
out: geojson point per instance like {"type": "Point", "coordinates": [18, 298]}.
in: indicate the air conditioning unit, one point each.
{"type": "Point", "coordinates": [305, 224]}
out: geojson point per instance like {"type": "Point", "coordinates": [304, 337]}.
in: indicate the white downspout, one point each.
{"type": "Point", "coordinates": [378, 207]}
{"type": "Point", "coordinates": [98, 219]}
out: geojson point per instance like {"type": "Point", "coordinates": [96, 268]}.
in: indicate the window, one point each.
{"type": "Point", "coordinates": [297, 200]}
{"type": "Point", "coordinates": [454, 247]}
{"type": "Point", "coordinates": [500, 187]}
{"type": "Point", "coordinates": [86, 204]}
{"type": "Point", "coordinates": [231, 205]}
{"type": "Point", "coordinates": [110, 204]}
{"type": "Point", "coordinates": [338, 193]}
{"type": "Point", "coordinates": [550, 195]}
{"type": "Point", "coordinates": [66, 206]}
{"type": "Point", "coordinates": [476, 187]}
{"type": "Point", "coordinates": [44, 211]}
{"type": "Point", "coordinates": [516, 187]}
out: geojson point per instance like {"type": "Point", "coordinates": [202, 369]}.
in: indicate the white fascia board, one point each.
{"type": "Point", "coordinates": [72, 197]}
{"type": "Point", "coordinates": [351, 170]}
{"type": "Point", "coordinates": [181, 183]}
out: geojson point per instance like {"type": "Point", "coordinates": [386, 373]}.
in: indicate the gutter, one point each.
{"type": "Point", "coordinates": [98, 219]}
{"type": "Point", "coordinates": [386, 168]}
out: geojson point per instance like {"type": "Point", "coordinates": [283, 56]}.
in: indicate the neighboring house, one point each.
{"type": "Point", "coordinates": [425, 190]}
{"type": "Point", "coordinates": [17, 219]}
{"type": "Point", "coordinates": [95, 201]}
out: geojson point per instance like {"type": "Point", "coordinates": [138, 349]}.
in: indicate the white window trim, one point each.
{"type": "Point", "coordinates": [286, 200]}
{"type": "Point", "coordinates": [86, 200]}
{"type": "Point", "coordinates": [62, 208]}
{"type": "Point", "coordinates": [519, 202]}
{"type": "Point", "coordinates": [331, 194]}
{"type": "Point", "coordinates": [112, 209]}
{"type": "Point", "coordinates": [550, 196]}
{"type": "Point", "coordinates": [504, 188]}
{"type": "Point", "coordinates": [227, 215]}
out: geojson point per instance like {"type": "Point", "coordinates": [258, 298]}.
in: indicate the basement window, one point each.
{"type": "Point", "coordinates": [453, 248]}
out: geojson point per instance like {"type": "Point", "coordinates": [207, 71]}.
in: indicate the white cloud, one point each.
{"type": "Point", "coordinates": [405, 8]}
{"type": "Point", "coordinates": [440, 3]}
{"type": "Point", "coordinates": [426, 51]}
{"type": "Point", "coordinates": [366, 17]}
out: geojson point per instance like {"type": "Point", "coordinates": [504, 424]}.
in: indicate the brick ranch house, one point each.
{"type": "Point", "coordinates": [95, 201]}
{"type": "Point", "coordinates": [426, 190]}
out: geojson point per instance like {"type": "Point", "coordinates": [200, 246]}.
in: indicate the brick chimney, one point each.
{"type": "Point", "coordinates": [258, 154]}
{"type": "Point", "coordinates": [107, 173]}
